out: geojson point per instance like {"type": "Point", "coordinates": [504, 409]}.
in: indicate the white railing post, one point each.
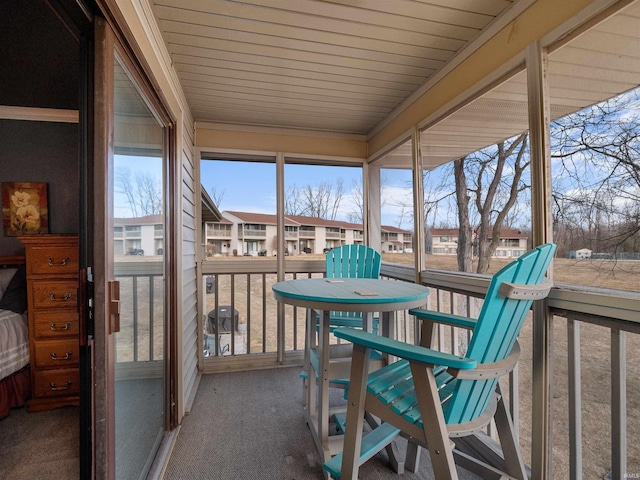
{"type": "Point", "coordinates": [618, 404]}
{"type": "Point", "coordinates": [542, 232]}
{"type": "Point", "coordinates": [575, 399]}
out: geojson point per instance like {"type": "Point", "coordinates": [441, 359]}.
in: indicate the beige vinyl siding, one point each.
{"type": "Point", "coordinates": [189, 310]}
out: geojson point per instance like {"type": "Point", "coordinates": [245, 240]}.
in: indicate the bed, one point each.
{"type": "Point", "coordinates": [15, 382]}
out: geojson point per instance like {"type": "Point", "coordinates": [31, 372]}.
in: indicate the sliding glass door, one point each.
{"type": "Point", "coordinates": [138, 255]}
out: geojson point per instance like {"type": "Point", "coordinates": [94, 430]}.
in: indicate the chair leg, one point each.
{"type": "Point", "coordinates": [508, 441]}
{"type": "Point", "coordinates": [355, 413]}
{"type": "Point", "coordinates": [412, 459]}
{"type": "Point", "coordinates": [307, 360]}
{"type": "Point", "coordinates": [435, 428]}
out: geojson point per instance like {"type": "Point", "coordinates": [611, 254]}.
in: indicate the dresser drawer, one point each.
{"type": "Point", "coordinates": [57, 353]}
{"type": "Point", "coordinates": [54, 293]}
{"type": "Point", "coordinates": [53, 260]}
{"type": "Point", "coordinates": [56, 323]}
{"type": "Point", "coordinates": [56, 383]}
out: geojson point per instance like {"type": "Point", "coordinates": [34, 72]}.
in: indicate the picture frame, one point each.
{"type": "Point", "coordinates": [25, 208]}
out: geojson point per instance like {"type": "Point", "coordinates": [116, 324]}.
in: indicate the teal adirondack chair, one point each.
{"type": "Point", "coordinates": [351, 261]}
{"type": "Point", "coordinates": [347, 261]}
{"type": "Point", "coordinates": [441, 401]}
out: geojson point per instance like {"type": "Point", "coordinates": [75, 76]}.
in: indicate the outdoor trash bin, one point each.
{"type": "Point", "coordinates": [224, 314]}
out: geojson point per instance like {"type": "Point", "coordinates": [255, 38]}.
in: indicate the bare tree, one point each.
{"type": "Point", "coordinates": [486, 186]}
{"type": "Point", "coordinates": [143, 192]}
{"type": "Point", "coordinates": [494, 188]}
{"type": "Point", "coordinates": [483, 189]}
{"type": "Point", "coordinates": [320, 201]}
{"type": "Point", "coordinates": [217, 196]}
{"type": "Point", "coordinates": [597, 180]}
{"type": "Point", "coordinates": [356, 215]}
{"type": "Point", "coordinates": [292, 201]}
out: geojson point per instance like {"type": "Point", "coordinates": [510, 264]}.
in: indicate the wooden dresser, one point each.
{"type": "Point", "coordinates": [52, 290]}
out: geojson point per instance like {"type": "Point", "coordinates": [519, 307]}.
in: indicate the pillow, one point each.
{"type": "Point", "coordinates": [6, 274]}
{"type": "Point", "coordinates": [15, 295]}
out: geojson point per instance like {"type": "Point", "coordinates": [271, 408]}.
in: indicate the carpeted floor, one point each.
{"type": "Point", "coordinates": [250, 425]}
{"type": "Point", "coordinates": [40, 445]}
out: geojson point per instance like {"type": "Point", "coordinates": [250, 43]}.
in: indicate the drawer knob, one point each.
{"type": "Point", "coordinates": [54, 356]}
{"type": "Point", "coordinates": [53, 387]}
{"type": "Point", "coordinates": [53, 327]}
{"type": "Point", "coordinates": [67, 296]}
{"type": "Point", "coordinates": [64, 261]}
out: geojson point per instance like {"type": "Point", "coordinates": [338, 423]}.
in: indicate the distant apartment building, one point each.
{"type": "Point", "coordinates": [444, 241]}
{"type": "Point", "coordinates": [138, 235]}
{"type": "Point", "coordinates": [255, 234]}
{"type": "Point", "coordinates": [396, 240]}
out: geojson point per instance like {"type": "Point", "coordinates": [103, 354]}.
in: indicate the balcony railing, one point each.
{"type": "Point", "coordinates": [593, 338]}
{"type": "Point", "coordinates": [141, 311]}
{"type": "Point", "coordinates": [250, 232]}
{"type": "Point", "coordinates": [594, 346]}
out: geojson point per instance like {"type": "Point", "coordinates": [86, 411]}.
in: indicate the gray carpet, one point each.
{"type": "Point", "coordinates": [250, 425]}
{"type": "Point", "coordinates": [40, 445]}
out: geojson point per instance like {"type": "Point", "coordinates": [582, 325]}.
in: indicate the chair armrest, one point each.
{"type": "Point", "coordinates": [485, 371]}
{"type": "Point", "coordinates": [525, 292]}
{"type": "Point", "coordinates": [404, 350]}
{"type": "Point", "coordinates": [446, 318]}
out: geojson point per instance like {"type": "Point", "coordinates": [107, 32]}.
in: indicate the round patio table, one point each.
{"type": "Point", "coordinates": [324, 295]}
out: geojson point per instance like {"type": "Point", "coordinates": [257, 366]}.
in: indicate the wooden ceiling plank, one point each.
{"type": "Point", "coordinates": [251, 118]}
{"type": "Point", "coordinates": [241, 61]}
{"type": "Point", "coordinates": [268, 102]}
{"type": "Point", "coordinates": [586, 71]}
{"type": "Point", "coordinates": [312, 29]}
{"type": "Point", "coordinates": [243, 69]}
{"type": "Point", "coordinates": [593, 59]}
{"type": "Point", "coordinates": [486, 7]}
{"type": "Point", "coordinates": [264, 81]}
{"type": "Point", "coordinates": [419, 57]}
{"type": "Point", "coordinates": [320, 13]}
{"type": "Point", "coordinates": [203, 88]}
{"type": "Point", "coordinates": [249, 86]}
{"type": "Point", "coordinates": [293, 54]}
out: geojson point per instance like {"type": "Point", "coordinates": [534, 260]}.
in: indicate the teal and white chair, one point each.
{"type": "Point", "coordinates": [351, 261]}
{"type": "Point", "coordinates": [443, 402]}
{"type": "Point", "coordinates": [347, 261]}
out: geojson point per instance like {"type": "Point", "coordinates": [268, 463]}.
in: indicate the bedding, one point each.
{"type": "Point", "coordinates": [15, 381]}
{"type": "Point", "coordinates": [14, 342]}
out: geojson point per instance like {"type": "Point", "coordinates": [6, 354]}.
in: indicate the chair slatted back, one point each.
{"type": "Point", "coordinates": [353, 261]}
{"type": "Point", "coordinates": [496, 331]}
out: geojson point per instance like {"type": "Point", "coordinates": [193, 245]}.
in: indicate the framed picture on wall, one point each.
{"type": "Point", "coordinates": [25, 208]}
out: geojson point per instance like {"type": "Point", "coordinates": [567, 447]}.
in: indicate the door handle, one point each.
{"type": "Point", "coordinates": [114, 306]}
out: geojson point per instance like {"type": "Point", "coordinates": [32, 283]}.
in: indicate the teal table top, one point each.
{"type": "Point", "coordinates": [351, 294]}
